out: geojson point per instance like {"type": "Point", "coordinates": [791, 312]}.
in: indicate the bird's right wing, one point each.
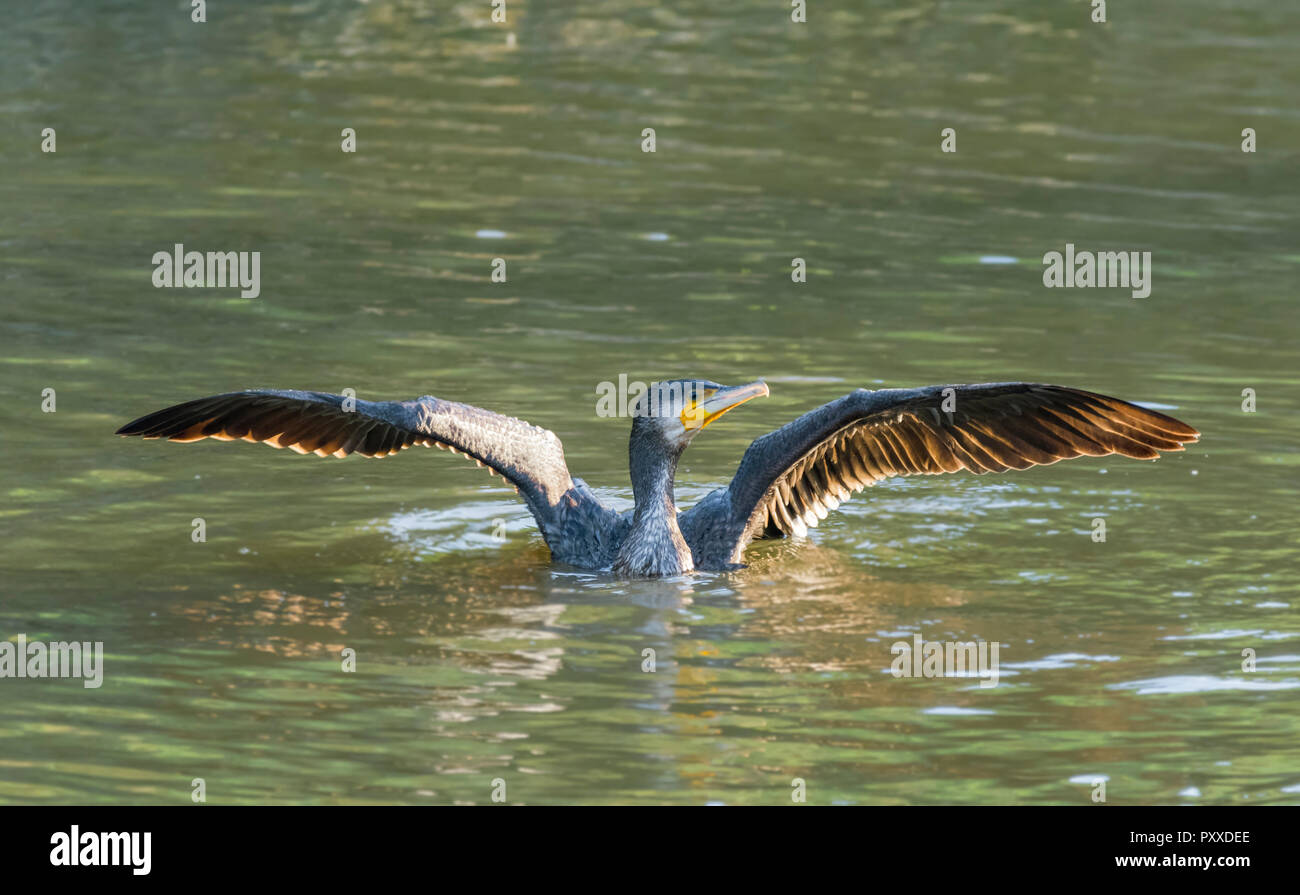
{"type": "Point", "coordinates": [790, 478]}
{"type": "Point", "coordinates": [529, 457]}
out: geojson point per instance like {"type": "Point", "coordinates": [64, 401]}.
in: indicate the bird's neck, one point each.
{"type": "Point", "coordinates": [654, 545]}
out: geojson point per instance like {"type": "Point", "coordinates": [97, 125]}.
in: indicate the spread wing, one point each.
{"type": "Point", "coordinates": [529, 457]}
{"type": "Point", "coordinates": [791, 478]}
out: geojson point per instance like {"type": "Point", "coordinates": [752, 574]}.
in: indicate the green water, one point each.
{"type": "Point", "coordinates": [477, 659]}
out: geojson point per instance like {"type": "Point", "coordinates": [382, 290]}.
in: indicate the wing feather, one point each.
{"type": "Point", "coordinates": [529, 457]}
{"type": "Point", "coordinates": [790, 478]}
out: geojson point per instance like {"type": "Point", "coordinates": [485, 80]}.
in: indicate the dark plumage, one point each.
{"type": "Point", "coordinates": [788, 479]}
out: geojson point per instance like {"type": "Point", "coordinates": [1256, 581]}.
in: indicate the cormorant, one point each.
{"type": "Point", "coordinates": [787, 480]}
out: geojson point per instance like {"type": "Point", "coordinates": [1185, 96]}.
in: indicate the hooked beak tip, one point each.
{"type": "Point", "coordinates": [727, 399]}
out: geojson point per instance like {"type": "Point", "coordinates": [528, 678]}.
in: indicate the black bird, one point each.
{"type": "Point", "coordinates": [787, 480]}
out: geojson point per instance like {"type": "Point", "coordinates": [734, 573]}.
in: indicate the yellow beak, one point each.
{"type": "Point", "coordinates": [700, 414]}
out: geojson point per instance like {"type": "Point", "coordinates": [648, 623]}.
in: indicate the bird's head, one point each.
{"type": "Point", "coordinates": [672, 413]}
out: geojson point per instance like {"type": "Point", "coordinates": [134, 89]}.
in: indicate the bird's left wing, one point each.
{"type": "Point", "coordinates": [529, 457]}
{"type": "Point", "coordinates": [790, 478]}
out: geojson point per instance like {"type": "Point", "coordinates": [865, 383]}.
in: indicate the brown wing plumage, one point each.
{"type": "Point", "coordinates": [283, 420]}
{"type": "Point", "coordinates": [530, 457]}
{"type": "Point", "coordinates": [869, 436]}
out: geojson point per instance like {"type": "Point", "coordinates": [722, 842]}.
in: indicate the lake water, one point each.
{"type": "Point", "coordinates": [476, 659]}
